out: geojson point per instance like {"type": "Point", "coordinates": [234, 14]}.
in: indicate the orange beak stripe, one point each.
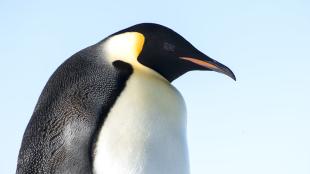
{"type": "Point", "coordinates": [201, 63]}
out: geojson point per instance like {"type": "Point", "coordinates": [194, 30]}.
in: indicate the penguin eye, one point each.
{"type": "Point", "coordinates": [169, 47]}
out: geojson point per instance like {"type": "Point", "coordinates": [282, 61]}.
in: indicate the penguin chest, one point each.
{"type": "Point", "coordinates": [145, 130]}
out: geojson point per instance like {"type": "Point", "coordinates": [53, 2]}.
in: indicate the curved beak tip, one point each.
{"type": "Point", "coordinates": [220, 68]}
{"type": "Point", "coordinates": [213, 65]}
{"type": "Point", "coordinates": [229, 73]}
{"type": "Point", "coordinates": [234, 77]}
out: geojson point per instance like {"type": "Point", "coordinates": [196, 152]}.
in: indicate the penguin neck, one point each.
{"type": "Point", "coordinates": [145, 130]}
{"type": "Point", "coordinates": [141, 70]}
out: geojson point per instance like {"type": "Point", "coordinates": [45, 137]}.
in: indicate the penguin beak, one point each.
{"type": "Point", "coordinates": [210, 64]}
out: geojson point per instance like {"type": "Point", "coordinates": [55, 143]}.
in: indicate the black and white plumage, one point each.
{"type": "Point", "coordinates": [110, 108]}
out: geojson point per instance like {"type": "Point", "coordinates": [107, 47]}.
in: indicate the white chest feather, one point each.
{"type": "Point", "coordinates": [145, 131]}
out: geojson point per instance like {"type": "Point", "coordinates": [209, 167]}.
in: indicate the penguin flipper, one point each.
{"type": "Point", "coordinates": [72, 107]}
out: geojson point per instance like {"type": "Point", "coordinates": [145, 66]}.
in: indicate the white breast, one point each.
{"type": "Point", "coordinates": [145, 131]}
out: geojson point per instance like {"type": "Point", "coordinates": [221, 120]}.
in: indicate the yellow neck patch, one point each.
{"type": "Point", "coordinates": [125, 47]}
{"type": "Point", "coordinates": [139, 44]}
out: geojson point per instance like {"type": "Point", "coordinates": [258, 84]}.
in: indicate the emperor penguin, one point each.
{"type": "Point", "coordinates": [111, 108]}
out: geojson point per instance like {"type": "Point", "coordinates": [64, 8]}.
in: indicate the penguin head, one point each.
{"type": "Point", "coordinates": [161, 49]}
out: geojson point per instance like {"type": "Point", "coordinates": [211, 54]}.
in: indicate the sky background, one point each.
{"type": "Point", "coordinates": [259, 124]}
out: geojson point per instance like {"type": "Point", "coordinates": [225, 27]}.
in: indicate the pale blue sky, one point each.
{"type": "Point", "coordinates": [259, 124]}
